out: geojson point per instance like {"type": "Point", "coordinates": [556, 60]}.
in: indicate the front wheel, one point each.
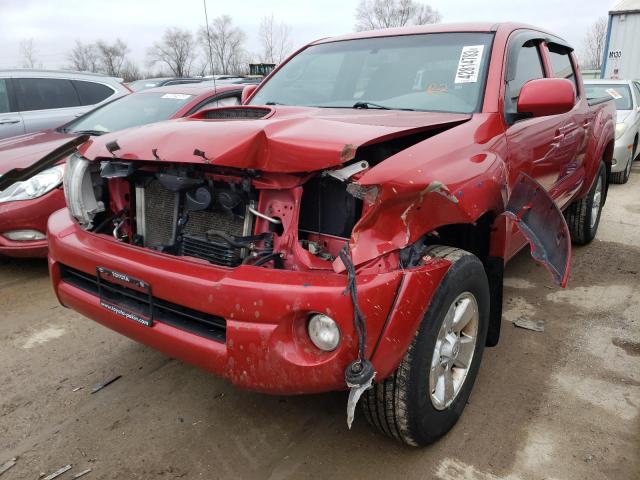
{"type": "Point", "coordinates": [423, 399]}
{"type": "Point", "coordinates": [623, 176]}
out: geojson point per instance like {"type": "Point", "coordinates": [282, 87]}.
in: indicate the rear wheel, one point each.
{"type": "Point", "coordinates": [583, 216]}
{"type": "Point", "coordinates": [423, 399]}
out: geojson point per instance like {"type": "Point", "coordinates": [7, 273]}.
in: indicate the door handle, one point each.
{"type": "Point", "coordinates": [8, 121]}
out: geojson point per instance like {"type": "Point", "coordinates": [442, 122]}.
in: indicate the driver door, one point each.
{"type": "Point", "coordinates": [535, 145]}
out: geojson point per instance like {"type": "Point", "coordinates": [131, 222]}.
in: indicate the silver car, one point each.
{"type": "Point", "coordinates": [626, 93]}
{"type": "Point", "coordinates": [35, 100]}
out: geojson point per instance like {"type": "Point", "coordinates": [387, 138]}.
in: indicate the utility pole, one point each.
{"type": "Point", "coordinates": [206, 19]}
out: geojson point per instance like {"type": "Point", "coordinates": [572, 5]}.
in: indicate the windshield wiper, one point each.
{"type": "Point", "coordinates": [93, 133]}
{"type": "Point", "coordinates": [275, 103]}
{"type": "Point", "coordinates": [366, 105]}
{"type": "Point", "coordinates": [369, 105]}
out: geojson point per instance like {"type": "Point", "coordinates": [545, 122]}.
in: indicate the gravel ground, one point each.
{"type": "Point", "coordinates": [558, 404]}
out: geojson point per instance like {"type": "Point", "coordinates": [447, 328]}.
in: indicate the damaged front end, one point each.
{"type": "Point", "coordinates": [222, 216]}
{"type": "Point", "coordinates": [231, 218]}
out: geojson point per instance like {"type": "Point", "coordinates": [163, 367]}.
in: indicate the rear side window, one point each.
{"type": "Point", "coordinates": [561, 64]}
{"type": "Point", "coordinates": [45, 93]}
{"type": "Point", "coordinates": [4, 96]}
{"type": "Point", "coordinates": [91, 93]}
{"type": "Point", "coordinates": [220, 102]}
{"type": "Point", "coordinates": [528, 67]}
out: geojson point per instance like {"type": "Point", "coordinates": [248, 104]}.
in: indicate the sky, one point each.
{"type": "Point", "coordinates": [54, 25]}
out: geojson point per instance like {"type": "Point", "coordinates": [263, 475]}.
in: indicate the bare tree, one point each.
{"type": "Point", "coordinates": [177, 50]}
{"type": "Point", "coordinates": [593, 45]}
{"type": "Point", "coordinates": [84, 57]}
{"type": "Point", "coordinates": [276, 43]}
{"type": "Point", "coordinates": [374, 14]}
{"type": "Point", "coordinates": [112, 56]}
{"type": "Point", "coordinates": [28, 53]}
{"type": "Point", "coordinates": [226, 44]}
{"type": "Point", "coordinates": [130, 71]}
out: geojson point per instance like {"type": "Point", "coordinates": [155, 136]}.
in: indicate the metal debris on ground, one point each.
{"type": "Point", "coordinates": [99, 387]}
{"type": "Point", "coordinates": [8, 464]}
{"type": "Point", "coordinates": [57, 473]}
{"type": "Point", "coordinates": [76, 389]}
{"type": "Point", "coordinates": [535, 325]}
{"type": "Point", "coordinates": [81, 474]}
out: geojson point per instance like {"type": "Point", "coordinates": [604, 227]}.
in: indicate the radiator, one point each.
{"type": "Point", "coordinates": [157, 217]}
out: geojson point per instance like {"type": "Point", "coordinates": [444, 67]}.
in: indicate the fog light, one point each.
{"type": "Point", "coordinates": [324, 332]}
{"type": "Point", "coordinates": [24, 235]}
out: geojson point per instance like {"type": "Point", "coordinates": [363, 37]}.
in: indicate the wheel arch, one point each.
{"type": "Point", "coordinates": [485, 238]}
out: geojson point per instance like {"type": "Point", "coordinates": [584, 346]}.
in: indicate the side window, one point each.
{"type": "Point", "coordinates": [4, 96]}
{"type": "Point", "coordinates": [45, 93]}
{"type": "Point", "coordinates": [637, 85]}
{"type": "Point", "coordinates": [91, 92]}
{"type": "Point", "coordinates": [561, 64]}
{"type": "Point", "coordinates": [528, 67]}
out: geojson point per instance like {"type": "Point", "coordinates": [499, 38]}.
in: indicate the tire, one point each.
{"type": "Point", "coordinates": [635, 157]}
{"type": "Point", "coordinates": [623, 177]}
{"type": "Point", "coordinates": [403, 406]}
{"type": "Point", "coordinates": [582, 218]}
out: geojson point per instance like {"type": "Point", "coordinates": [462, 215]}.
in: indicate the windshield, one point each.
{"type": "Point", "coordinates": [619, 92]}
{"type": "Point", "coordinates": [144, 84]}
{"type": "Point", "coordinates": [434, 72]}
{"type": "Point", "coordinates": [130, 111]}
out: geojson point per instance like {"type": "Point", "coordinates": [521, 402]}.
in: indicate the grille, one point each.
{"type": "Point", "coordinates": [193, 321]}
{"type": "Point", "coordinates": [236, 113]}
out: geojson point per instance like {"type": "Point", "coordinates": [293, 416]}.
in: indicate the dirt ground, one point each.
{"type": "Point", "coordinates": [558, 404]}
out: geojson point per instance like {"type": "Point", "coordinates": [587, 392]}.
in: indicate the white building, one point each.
{"type": "Point", "coordinates": [622, 44]}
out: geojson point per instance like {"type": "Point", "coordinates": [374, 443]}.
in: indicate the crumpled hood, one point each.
{"type": "Point", "coordinates": [286, 139]}
{"type": "Point", "coordinates": [24, 150]}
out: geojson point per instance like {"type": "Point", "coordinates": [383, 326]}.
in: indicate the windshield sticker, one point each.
{"type": "Point", "coordinates": [614, 93]}
{"type": "Point", "coordinates": [469, 64]}
{"type": "Point", "coordinates": [176, 96]}
{"type": "Point", "coordinates": [437, 88]}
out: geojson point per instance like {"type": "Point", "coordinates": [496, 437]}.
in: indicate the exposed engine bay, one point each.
{"type": "Point", "coordinates": [228, 217]}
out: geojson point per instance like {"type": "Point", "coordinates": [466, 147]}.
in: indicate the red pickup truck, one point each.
{"type": "Point", "coordinates": [347, 227]}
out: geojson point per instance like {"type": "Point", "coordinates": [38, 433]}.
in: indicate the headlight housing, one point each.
{"type": "Point", "coordinates": [620, 128]}
{"type": "Point", "coordinates": [83, 189]}
{"type": "Point", "coordinates": [34, 187]}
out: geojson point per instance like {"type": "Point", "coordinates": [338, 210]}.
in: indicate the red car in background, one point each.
{"type": "Point", "coordinates": [25, 206]}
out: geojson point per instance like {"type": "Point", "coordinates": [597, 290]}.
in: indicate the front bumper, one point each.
{"type": "Point", "coordinates": [266, 346]}
{"type": "Point", "coordinates": [28, 215]}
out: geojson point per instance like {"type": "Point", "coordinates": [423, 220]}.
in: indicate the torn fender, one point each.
{"type": "Point", "coordinates": [542, 223]}
{"type": "Point", "coordinates": [49, 160]}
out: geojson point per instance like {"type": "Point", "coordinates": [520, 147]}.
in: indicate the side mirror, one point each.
{"type": "Point", "coordinates": [546, 96]}
{"type": "Point", "coordinates": [247, 92]}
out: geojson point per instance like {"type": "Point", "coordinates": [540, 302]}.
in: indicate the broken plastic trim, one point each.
{"type": "Point", "coordinates": [543, 225]}
{"type": "Point", "coordinates": [344, 174]}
